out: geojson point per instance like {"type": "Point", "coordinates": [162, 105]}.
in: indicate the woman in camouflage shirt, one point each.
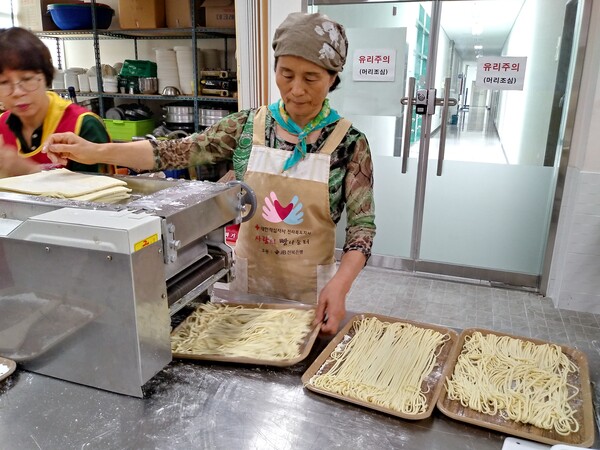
{"type": "Point", "coordinates": [350, 176]}
{"type": "Point", "coordinates": [297, 148]}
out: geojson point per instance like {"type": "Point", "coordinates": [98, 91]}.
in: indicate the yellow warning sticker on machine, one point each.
{"type": "Point", "coordinates": [145, 242]}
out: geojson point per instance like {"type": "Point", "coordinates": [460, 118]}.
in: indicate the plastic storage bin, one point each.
{"type": "Point", "coordinates": [78, 16]}
{"type": "Point", "coordinates": [125, 130]}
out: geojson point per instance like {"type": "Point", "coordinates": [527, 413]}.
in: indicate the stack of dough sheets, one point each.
{"type": "Point", "coordinates": [62, 183]}
{"type": "Point", "coordinates": [243, 332]}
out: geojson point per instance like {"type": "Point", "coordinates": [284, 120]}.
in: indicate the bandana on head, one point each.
{"type": "Point", "coordinates": [314, 37]}
{"type": "Point", "coordinates": [325, 117]}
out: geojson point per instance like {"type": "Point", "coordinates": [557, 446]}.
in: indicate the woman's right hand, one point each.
{"type": "Point", "coordinates": [61, 147]}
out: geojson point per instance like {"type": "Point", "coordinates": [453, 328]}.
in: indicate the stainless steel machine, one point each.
{"type": "Point", "coordinates": [87, 289]}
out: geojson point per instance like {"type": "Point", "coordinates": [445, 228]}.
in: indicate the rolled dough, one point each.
{"type": "Point", "coordinates": [59, 183]}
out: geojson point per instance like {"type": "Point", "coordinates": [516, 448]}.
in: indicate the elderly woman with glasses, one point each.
{"type": "Point", "coordinates": [304, 162]}
{"type": "Point", "coordinates": [33, 113]}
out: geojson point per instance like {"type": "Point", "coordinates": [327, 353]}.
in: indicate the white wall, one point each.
{"type": "Point", "coordinates": [522, 143]}
{"type": "Point", "coordinates": [574, 282]}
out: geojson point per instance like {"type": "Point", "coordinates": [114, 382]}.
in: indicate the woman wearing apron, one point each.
{"type": "Point", "coordinates": [32, 112]}
{"type": "Point", "coordinates": [304, 162]}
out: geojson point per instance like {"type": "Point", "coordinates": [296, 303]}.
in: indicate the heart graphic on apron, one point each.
{"type": "Point", "coordinates": [283, 212]}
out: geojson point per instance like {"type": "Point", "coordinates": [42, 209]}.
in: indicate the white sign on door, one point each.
{"type": "Point", "coordinates": [501, 72]}
{"type": "Point", "coordinates": [374, 64]}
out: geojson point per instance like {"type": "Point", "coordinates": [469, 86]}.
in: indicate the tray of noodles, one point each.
{"type": "Point", "coordinates": [391, 365]}
{"type": "Point", "coordinates": [264, 333]}
{"type": "Point", "coordinates": [524, 387]}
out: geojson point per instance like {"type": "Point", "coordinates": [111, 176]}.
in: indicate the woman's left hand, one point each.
{"type": "Point", "coordinates": [11, 164]}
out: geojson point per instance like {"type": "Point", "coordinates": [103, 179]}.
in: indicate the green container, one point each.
{"type": "Point", "coordinates": [138, 68]}
{"type": "Point", "coordinates": [124, 130]}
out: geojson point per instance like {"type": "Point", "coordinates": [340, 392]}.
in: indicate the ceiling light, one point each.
{"type": "Point", "coordinates": [478, 47]}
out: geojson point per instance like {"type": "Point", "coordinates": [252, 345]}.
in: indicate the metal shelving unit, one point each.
{"type": "Point", "coordinates": [96, 35]}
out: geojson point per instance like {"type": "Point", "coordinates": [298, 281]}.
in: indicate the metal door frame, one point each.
{"type": "Point", "coordinates": [494, 277]}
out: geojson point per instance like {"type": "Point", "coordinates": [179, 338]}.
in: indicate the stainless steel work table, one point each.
{"type": "Point", "coordinates": [206, 405]}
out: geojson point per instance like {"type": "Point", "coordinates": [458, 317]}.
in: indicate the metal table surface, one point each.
{"type": "Point", "coordinates": [207, 405]}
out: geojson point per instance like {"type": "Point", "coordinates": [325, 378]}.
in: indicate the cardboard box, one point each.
{"type": "Point", "coordinates": [33, 14]}
{"type": "Point", "coordinates": [142, 14]}
{"type": "Point", "coordinates": [219, 13]}
{"type": "Point", "coordinates": [178, 13]}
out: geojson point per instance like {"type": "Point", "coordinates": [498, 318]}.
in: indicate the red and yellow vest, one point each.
{"type": "Point", "coordinates": [62, 116]}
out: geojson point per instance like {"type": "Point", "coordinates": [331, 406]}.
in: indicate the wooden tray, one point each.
{"type": "Point", "coordinates": [11, 367]}
{"type": "Point", "coordinates": [432, 384]}
{"type": "Point", "coordinates": [304, 349]}
{"type": "Point", "coordinates": [582, 402]}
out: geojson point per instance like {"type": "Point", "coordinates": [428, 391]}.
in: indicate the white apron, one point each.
{"type": "Point", "coordinates": [287, 249]}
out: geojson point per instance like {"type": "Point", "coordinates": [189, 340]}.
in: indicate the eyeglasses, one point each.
{"type": "Point", "coordinates": [28, 84]}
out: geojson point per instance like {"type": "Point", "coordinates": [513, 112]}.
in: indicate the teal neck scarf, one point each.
{"type": "Point", "coordinates": [325, 117]}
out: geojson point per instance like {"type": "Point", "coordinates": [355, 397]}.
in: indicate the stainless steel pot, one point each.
{"type": "Point", "coordinates": [148, 85]}
{"type": "Point", "coordinates": [178, 109]}
{"type": "Point", "coordinates": [179, 118]}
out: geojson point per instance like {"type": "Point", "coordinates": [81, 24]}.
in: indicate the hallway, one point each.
{"type": "Point", "coordinates": [474, 138]}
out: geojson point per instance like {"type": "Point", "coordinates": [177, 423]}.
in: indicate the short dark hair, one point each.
{"type": "Point", "coordinates": [23, 50]}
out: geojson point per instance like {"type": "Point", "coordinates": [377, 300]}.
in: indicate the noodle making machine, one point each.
{"type": "Point", "coordinates": [87, 289]}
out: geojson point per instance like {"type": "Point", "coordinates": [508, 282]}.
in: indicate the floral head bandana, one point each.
{"type": "Point", "coordinates": [314, 37]}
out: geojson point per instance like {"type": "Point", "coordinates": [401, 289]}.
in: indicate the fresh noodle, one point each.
{"type": "Point", "coordinates": [234, 331]}
{"type": "Point", "coordinates": [384, 364]}
{"type": "Point", "coordinates": [517, 380]}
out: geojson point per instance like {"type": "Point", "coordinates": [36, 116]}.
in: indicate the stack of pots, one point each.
{"type": "Point", "coordinates": [180, 116]}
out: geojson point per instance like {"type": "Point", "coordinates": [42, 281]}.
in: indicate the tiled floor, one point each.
{"type": "Point", "coordinates": [461, 305]}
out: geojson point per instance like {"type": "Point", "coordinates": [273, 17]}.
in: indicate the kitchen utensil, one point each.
{"type": "Point", "coordinates": [148, 85]}
{"type": "Point", "coordinates": [170, 91]}
{"type": "Point", "coordinates": [115, 114]}
{"type": "Point", "coordinates": [78, 16]}
{"type": "Point", "coordinates": [177, 108]}
{"type": "Point", "coordinates": [179, 118]}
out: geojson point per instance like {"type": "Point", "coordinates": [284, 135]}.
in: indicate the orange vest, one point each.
{"type": "Point", "coordinates": [62, 116]}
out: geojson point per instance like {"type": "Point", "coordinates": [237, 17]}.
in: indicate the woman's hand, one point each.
{"type": "Point", "coordinates": [61, 147]}
{"type": "Point", "coordinates": [331, 308]}
{"type": "Point", "coordinates": [11, 164]}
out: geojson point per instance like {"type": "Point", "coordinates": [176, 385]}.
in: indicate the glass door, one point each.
{"type": "Point", "coordinates": [466, 170]}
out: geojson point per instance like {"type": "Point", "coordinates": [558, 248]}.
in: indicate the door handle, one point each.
{"type": "Point", "coordinates": [445, 103]}
{"type": "Point", "coordinates": [409, 102]}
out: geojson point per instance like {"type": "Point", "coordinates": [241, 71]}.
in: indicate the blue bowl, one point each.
{"type": "Point", "coordinates": [78, 16]}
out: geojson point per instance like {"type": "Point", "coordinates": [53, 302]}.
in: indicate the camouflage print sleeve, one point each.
{"type": "Point", "coordinates": [216, 143]}
{"type": "Point", "coordinates": [360, 206]}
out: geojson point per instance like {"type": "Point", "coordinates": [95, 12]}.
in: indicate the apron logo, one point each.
{"type": "Point", "coordinates": [275, 212]}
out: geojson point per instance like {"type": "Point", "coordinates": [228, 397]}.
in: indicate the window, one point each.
{"type": "Point", "coordinates": [6, 14]}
